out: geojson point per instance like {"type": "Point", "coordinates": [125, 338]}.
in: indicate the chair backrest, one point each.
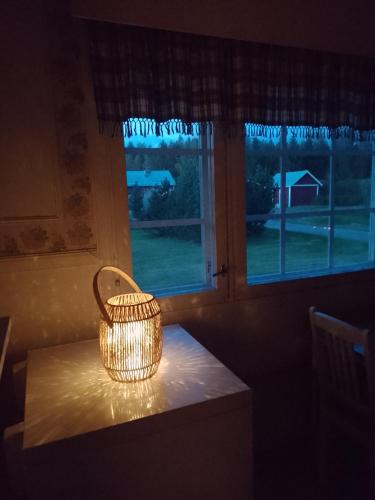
{"type": "Point", "coordinates": [5, 325]}
{"type": "Point", "coordinates": [342, 361]}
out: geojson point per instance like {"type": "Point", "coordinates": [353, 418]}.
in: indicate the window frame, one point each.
{"type": "Point", "coordinates": [228, 198]}
{"type": "Point", "coordinates": [219, 291]}
{"type": "Point", "coordinates": [294, 281]}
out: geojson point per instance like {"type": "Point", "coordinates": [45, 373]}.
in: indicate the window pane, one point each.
{"type": "Point", "coordinates": [260, 172]}
{"type": "Point", "coordinates": [306, 183]}
{"type": "Point", "coordinates": [347, 146]}
{"type": "Point", "coordinates": [263, 253]}
{"type": "Point", "coordinates": [140, 140]}
{"type": "Point", "coordinates": [170, 211]}
{"type": "Point", "coordinates": [306, 244]}
{"type": "Point", "coordinates": [168, 257]}
{"type": "Point", "coordinates": [296, 143]}
{"type": "Point", "coordinates": [351, 239]}
{"type": "Point", "coordinates": [308, 166]}
{"type": "Point", "coordinates": [352, 180]}
{"type": "Point", "coordinates": [164, 186]}
{"type": "Point", "coordinates": [259, 144]}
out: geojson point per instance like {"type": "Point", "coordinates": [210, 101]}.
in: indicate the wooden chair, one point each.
{"type": "Point", "coordinates": [344, 375]}
{"type": "Point", "coordinates": [5, 326]}
{"type": "Point", "coordinates": [11, 446]}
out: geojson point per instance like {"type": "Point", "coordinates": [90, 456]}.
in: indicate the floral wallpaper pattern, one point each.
{"type": "Point", "coordinates": [72, 230]}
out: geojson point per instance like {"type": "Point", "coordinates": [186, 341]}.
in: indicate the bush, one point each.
{"type": "Point", "coordinates": [351, 192]}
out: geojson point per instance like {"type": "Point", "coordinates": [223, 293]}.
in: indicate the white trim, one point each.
{"type": "Point", "coordinates": [310, 213]}
{"type": "Point", "coordinates": [312, 175]}
{"type": "Point", "coordinates": [283, 163]}
{"type": "Point", "coordinates": [293, 275]}
{"type": "Point", "coordinates": [304, 185]}
{"type": "Point", "coordinates": [148, 224]}
{"type": "Point", "coordinates": [295, 183]}
{"type": "Point", "coordinates": [372, 205]}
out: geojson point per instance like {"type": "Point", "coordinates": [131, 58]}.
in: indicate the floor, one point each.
{"type": "Point", "coordinates": [291, 474]}
{"type": "Point", "coordinates": [285, 449]}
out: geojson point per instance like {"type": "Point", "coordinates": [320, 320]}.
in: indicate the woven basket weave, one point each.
{"type": "Point", "coordinates": [130, 332]}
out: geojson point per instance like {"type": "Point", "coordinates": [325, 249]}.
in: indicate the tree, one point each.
{"type": "Point", "coordinates": [136, 203]}
{"type": "Point", "coordinates": [259, 197]}
{"type": "Point", "coordinates": [182, 202]}
{"type": "Point", "coordinates": [185, 199]}
{"type": "Point", "coordinates": [137, 162]}
{"type": "Point", "coordinates": [159, 204]}
{"type": "Point", "coordinates": [186, 194]}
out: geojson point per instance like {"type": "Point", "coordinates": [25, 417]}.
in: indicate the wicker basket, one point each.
{"type": "Point", "coordinates": [130, 332]}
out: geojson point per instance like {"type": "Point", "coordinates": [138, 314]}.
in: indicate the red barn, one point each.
{"type": "Point", "coordinates": [301, 188]}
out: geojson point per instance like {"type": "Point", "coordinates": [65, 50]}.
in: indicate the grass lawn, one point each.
{"type": "Point", "coordinates": [303, 252]}
{"type": "Point", "coordinates": [162, 262]}
{"type": "Point", "coordinates": [358, 221]}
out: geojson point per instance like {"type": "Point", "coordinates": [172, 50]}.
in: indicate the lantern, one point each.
{"type": "Point", "coordinates": [130, 332]}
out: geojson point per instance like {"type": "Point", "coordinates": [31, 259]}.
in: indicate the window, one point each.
{"type": "Point", "coordinates": [170, 199]}
{"type": "Point", "coordinates": [309, 206]}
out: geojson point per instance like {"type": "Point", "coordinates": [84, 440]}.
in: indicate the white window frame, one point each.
{"type": "Point", "coordinates": [213, 237]}
{"type": "Point", "coordinates": [271, 284]}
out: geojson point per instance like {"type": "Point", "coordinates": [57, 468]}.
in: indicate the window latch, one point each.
{"type": "Point", "coordinates": [222, 271]}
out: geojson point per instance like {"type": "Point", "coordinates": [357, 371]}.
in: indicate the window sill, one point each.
{"type": "Point", "coordinates": [300, 284]}
{"type": "Point", "coordinates": [185, 301]}
{"type": "Point", "coordinates": [179, 290]}
{"type": "Point", "coordinates": [296, 276]}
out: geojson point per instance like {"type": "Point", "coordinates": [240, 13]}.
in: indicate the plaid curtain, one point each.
{"type": "Point", "coordinates": [148, 80]}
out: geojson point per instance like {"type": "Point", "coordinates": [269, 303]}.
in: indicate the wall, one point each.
{"type": "Point", "coordinates": [49, 297]}
{"type": "Point", "coordinates": [334, 25]}
{"type": "Point", "coordinates": [55, 177]}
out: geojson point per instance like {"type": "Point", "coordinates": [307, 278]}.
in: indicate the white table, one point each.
{"type": "Point", "coordinates": [185, 433]}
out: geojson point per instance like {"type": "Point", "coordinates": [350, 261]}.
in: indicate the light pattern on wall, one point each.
{"type": "Point", "coordinates": [70, 228]}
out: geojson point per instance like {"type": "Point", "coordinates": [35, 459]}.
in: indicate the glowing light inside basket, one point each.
{"type": "Point", "coordinates": [130, 333]}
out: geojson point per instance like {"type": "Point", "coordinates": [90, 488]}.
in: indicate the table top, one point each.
{"type": "Point", "coordinates": [69, 393]}
{"type": "Point", "coordinates": [5, 325]}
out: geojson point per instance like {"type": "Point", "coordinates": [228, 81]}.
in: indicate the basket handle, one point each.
{"type": "Point", "coordinates": [98, 298]}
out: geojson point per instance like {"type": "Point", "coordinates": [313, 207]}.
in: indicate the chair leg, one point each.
{"type": "Point", "coordinates": [371, 475]}
{"type": "Point", "coordinates": [13, 437]}
{"type": "Point", "coordinates": [322, 459]}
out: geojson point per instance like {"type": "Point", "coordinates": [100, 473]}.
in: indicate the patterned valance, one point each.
{"type": "Point", "coordinates": [178, 80]}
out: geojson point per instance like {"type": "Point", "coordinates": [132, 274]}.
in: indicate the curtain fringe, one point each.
{"type": "Point", "coordinates": [145, 126]}
{"type": "Point", "coordinates": [299, 132]}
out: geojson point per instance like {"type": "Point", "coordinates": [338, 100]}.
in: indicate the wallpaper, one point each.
{"type": "Point", "coordinates": [71, 227]}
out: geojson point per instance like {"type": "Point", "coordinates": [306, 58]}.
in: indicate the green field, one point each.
{"type": "Point", "coordinates": [354, 220]}
{"type": "Point", "coordinates": [162, 262]}
{"type": "Point", "coordinates": [165, 262]}
{"type": "Point", "coordinates": [303, 252]}
{"type": "Point", "coordinates": [357, 221]}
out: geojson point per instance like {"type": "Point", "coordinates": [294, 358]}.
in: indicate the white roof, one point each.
{"type": "Point", "coordinates": [292, 178]}
{"type": "Point", "coordinates": [148, 178]}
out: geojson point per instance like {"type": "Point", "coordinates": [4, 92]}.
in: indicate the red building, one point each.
{"type": "Point", "coordinates": [301, 188]}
